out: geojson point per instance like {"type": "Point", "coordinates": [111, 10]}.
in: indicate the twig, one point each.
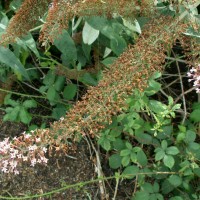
{"type": "Point", "coordinates": [116, 188]}
{"type": "Point", "coordinates": [100, 173]}
{"type": "Point", "coordinates": [186, 92]}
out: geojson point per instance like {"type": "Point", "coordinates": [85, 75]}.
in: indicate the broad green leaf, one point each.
{"type": "Point", "coordinates": [66, 45]}
{"type": "Point", "coordinates": [30, 104]}
{"type": "Point", "coordinates": [164, 144]}
{"type": "Point", "coordinates": [156, 106]}
{"type": "Point", "coordinates": [133, 27]}
{"type": "Point", "coordinates": [70, 91]}
{"type": "Point", "coordinates": [142, 158]}
{"type": "Point", "coordinates": [190, 136]}
{"type": "Point", "coordinates": [59, 111]}
{"type": "Point", "coordinates": [176, 198]}
{"type": "Point", "coordinates": [172, 150]}
{"type": "Point", "coordinates": [125, 160]}
{"type": "Point", "coordinates": [30, 43]}
{"type": "Point", "coordinates": [195, 115]}
{"type": "Point", "coordinates": [130, 171]}
{"type": "Point", "coordinates": [153, 88]}
{"type": "Point", "coordinates": [159, 155]}
{"type": "Point", "coordinates": [89, 34]}
{"type": "Point", "coordinates": [115, 161]}
{"type": "Point", "coordinates": [141, 195]}
{"type": "Point", "coordinates": [50, 78]}
{"type": "Point", "coordinates": [175, 180]}
{"type": "Point", "coordinates": [8, 58]}
{"type": "Point", "coordinates": [88, 79]}
{"type": "Point", "coordinates": [167, 187]}
{"type": "Point", "coordinates": [108, 61]}
{"type": "Point", "coordinates": [125, 152]}
{"type": "Point", "coordinates": [25, 117]}
{"type": "Point", "coordinates": [97, 22]}
{"type": "Point", "coordinates": [168, 161]}
{"type": "Point", "coordinates": [51, 93]}
{"type": "Point", "coordinates": [119, 144]}
{"type": "Point", "coordinates": [118, 45]}
{"type": "Point", "coordinates": [59, 83]}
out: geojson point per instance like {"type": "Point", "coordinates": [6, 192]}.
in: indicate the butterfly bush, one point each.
{"type": "Point", "coordinates": [25, 148]}
{"type": "Point", "coordinates": [194, 75]}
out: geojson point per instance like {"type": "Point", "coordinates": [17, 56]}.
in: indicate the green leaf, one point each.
{"type": "Point", "coordinates": [168, 161]}
{"type": "Point", "coordinates": [8, 58]}
{"type": "Point", "coordinates": [125, 160]}
{"type": "Point", "coordinates": [49, 78]}
{"type": "Point", "coordinates": [133, 157]}
{"type": "Point", "coordinates": [119, 144]}
{"type": "Point", "coordinates": [159, 155]}
{"type": "Point", "coordinates": [88, 79]}
{"type": "Point", "coordinates": [190, 136]}
{"type": "Point", "coordinates": [195, 115]}
{"type": "Point", "coordinates": [105, 143]}
{"type": "Point", "coordinates": [156, 106]}
{"type": "Point", "coordinates": [129, 145]}
{"type": "Point", "coordinates": [153, 88]}
{"type": "Point", "coordinates": [164, 144]}
{"type": "Point", "coordinates": [175, 180]}
{"type": "Point", "coordinates": [115, 161]}
{"type": "Point", "coordinates": [70, 91]}
{"type": "Point", "coordinates": [108, 61]}
{"type": "Point", "coordinates": [59, 111]}
{"type": "Point", "coordinates": [172, 150]}
{"type": "Point", "coordinates": [176, 198]}
{"type": "Point", "coordinates": [25, 117]}
{"type": "Point", "coordinates": [144, 138]}
{"type": "Point", "coordinates": [89, 34]}
{"type": "Point", "coordinates": [141, 195]}
{"type": "Point", "coordinates": [59, 83]}
{"type": "Point", "coordinates": [30, 104]}
{"type": "Point", "coordinates": [118, 45]}
{"type": "Point", "coordinates": [167, 187]}
{"type": "Point", "coordinates": [125, 152]}
{"type": "Point", "coordinates": [66, 45]}
{"type": "Point", "coordinates": [97, 22]}
{"type": "Point", "coordinates": [130, 171]}
{"type": "Point", "coordinates": [30, 43]}
{"type": "Point", "coordinates": [142, 158]}
{"type": "Point", "coordinates": [51, 93]}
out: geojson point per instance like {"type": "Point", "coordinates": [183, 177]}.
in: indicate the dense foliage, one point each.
{"type": "Point", "coordinates": [105, 69]}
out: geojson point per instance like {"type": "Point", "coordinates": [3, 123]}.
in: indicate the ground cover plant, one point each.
{"type": "Point", "coordinates": [121, 75]}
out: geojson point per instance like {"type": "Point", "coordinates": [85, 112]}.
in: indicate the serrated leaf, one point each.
{"type": "Point", "coordinates": [130, 171]}
{"type": "Point", "coordinates": [159, 155]}
{"type": "Point", "coordinates": [172, 150]}
{"type": "Point", "coordinates": [195, 115]}
{"type": "Point", "coordinates": [125, 160]}
{"type": "Point", "coordinates": [30, 104]}
{"type": "Point", "coordinates": [125, 152]}
{"type": "Point", "coordinates": [115, 161]}
{"type": "Point", "coordinates": [25, 117]}
{"type": "Point", "coordinates": [168, 161]}
{"type": "Point", "coordinates": [141, 195]}
{"type": "Point", "coordinates": [142, 158]}
{"type": "Point", "coordinates": [175, 180]}
{"type": "Point", "coordinates": [51, 93]}
{"type": "Point", "coordinates": [70, 91]}
{"type": "Point", "coordinates": [59, 83]}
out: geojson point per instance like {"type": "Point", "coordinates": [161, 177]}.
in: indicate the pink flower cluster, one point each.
{"type": "Point", "coordinates": [194, 75]}
{"type": "Point", "coordinates": [25, 148]}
